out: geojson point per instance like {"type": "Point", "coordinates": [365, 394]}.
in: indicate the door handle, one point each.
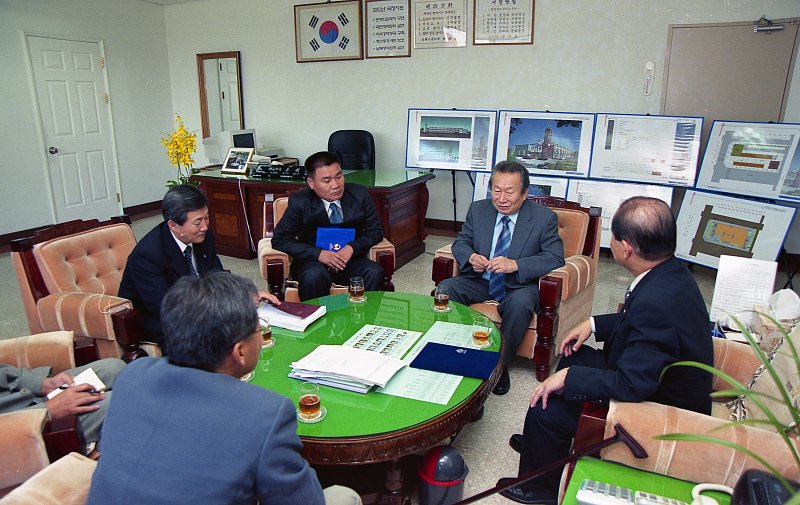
{"type": "Point", "coordinates": [52, 150]}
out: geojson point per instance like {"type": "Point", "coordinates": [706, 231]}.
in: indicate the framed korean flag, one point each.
{"type": "Point", "coordinates": [328, 31]}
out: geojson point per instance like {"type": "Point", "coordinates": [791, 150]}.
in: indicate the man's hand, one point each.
{"type": "Point", "coordinates": [576, 337]}
{"type": "Point", "coordinates": [336, 261]}
{"type": "Point", "coordinates": [263, 296]}
{"type": "Point", "coordinates": [553, 384]}
{"type": "Point", "coordinates": [502, 265]}
{"type": "Point", "coordinates": [55, 381]}
{"type": "Point", "coordinates": [478, 262]}
{"type": "Point", "coordinates": [73, 401]}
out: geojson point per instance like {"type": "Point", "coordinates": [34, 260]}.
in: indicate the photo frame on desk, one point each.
{"type": "Point", "coordinates": [387, 28]}
{"type": "Point", "coordinates": [499, 22]}
{"type": "Point", "coordinates": [236, 160]}
{"type": "Point", "coordinates": [328, 31]}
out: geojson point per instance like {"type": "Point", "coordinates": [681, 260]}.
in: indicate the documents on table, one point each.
{"type": "Point", "coordinates": [291, 316]}
{"type": "Point", "coordinates": [388, 341]}
{"type": "Point", "coordinates": [346, 367]}
{"type": "Point", "coordinates": [88, 376]}
{"type": "Point", "coordinates": [424, 385]}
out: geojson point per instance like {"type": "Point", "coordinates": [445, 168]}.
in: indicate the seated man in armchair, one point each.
{"type": "Point", "coordinates": [663, 320]}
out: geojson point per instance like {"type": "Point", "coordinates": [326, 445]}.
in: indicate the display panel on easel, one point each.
{"type": "Point", "coordinates": [450, 139]}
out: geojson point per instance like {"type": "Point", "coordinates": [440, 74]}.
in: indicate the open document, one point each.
{"type": "Point", "coordinates": [88, 376]}
{"type": "Point", "coordinates": [346, 368]}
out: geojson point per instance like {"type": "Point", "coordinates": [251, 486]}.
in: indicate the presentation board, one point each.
{"type": "Point", "coordinates": [450, 139]}
{"type": "Point", "coordinates": [752, 159]}
{"type": "Point", "coordinates": [547, 143]}
{"type": "Point", "coordinates": [609, 195]}
{"type": "Point", "coordinates": [710, 225]}
{"type": "Point", "coordinates": [649, 149]}
{"type": "Point", "coordinates": [539, 186]}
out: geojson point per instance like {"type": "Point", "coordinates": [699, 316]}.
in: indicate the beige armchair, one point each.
{"type": "Point", "coordinates": [65, 482]}
{"type": "Point", "coordinates": [565, 294]}
{"type": "Point", "coordinates": [692, 461]}
{"type": "Point", "coordinates": [28, 442]}
{"type": "Point", "coordinates": [274, 264]}
{"type": "Point", "coordinates": [69, 276]}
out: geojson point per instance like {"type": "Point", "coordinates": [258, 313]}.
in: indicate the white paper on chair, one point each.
{"type": "Point", "coordinates": [741, 285]}
{"type": "Point", "coordinates": [88, 376]}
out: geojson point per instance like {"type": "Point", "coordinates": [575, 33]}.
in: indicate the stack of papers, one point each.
{"type": "Point", "coordinates": [88, 376]}
{"type": "Point", "coordinates": [346, 368]}
{"type": "Point", "coordinates": [290, 315]}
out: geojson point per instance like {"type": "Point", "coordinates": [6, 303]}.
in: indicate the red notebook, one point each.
{"type": "Point", "coordinates": [302, 310]}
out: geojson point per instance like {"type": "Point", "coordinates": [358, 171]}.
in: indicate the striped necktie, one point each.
{"type": "Point", "coordinates": [336, 215]}
{"type": "Point", "coordinates": [187, 255]}
{"type": "Point", "coordinates": [497, 287]}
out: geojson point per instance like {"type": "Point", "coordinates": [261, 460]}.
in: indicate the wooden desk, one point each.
{"type": "Point", "coordinates": [236, 207]}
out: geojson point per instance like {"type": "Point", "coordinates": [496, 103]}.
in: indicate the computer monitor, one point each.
{"type": "Point", "coordinates": [244, 138]}
{"type": "Point", "coordinates": [216, 147]}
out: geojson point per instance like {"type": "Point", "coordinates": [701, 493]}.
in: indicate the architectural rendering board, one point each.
{"type": "Point", "coordinates": [649, 149]}
{"type": "Point", "coordinates": [752, 159]}
{"type": "Point", "coordinates": [546, 143]}
{"type": "Point", "coordinates": [710, 226]}
{"type": "Point", "coordinates": [609, 195]}
{"type": "Point", "coordinates": [450, 139]}
{"type": "Point", "coordinates": [539, 186]}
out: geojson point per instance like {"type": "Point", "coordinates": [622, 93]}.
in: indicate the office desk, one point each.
{"type": "Point", "coordinates": [236, 208]}
{"type": "Point", "coordinates": [373, 427]}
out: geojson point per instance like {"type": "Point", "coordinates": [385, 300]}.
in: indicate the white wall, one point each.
{"type": "Point", "coordinates": [134, 37]}
{"type": "Point", "coordinates": [587, 55]}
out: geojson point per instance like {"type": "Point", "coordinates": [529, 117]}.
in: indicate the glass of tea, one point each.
{"type": "Point", "coordinates": [356, 290]}
{"type": "Point", "coordinates": [481, 328]}
{"type": "Point", "coordinates": [266, 333]}
{"type": "Point", "coordinates": [441, 299]}
{"type": "Point", "coordinates": [308, 401]}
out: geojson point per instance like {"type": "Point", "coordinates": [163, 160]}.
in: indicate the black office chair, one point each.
{"type": "Point", "coordinates": [354, 148]}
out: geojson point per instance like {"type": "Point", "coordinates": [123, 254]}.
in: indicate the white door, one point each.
{"type": "Point", "coordinates": [229, 87]}
{"type": "Point", "coordinates": [71, 90]}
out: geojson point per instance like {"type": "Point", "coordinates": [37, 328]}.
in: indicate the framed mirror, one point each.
{"type": "Point", "coordinates": [219, 78]}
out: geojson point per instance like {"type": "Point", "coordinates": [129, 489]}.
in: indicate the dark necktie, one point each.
{"type": "Point", "coordinates": [336, 214]}
{"type": "Point", "coordinates": [187, 255]}
{"type": "Point", "coordinates": [497, 288]}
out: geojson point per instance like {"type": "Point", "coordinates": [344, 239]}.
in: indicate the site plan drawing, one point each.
{"type": "Point", "coordinates": [711, 225]}
{"type": "Point", "coordinates": [752, 159]}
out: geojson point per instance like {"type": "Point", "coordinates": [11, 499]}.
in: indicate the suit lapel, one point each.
{"type": "Point", "coordinates": [175, 259]}
{"type": "Point", "coordinates": [483, 234]}
{"type": "Point", "coordinates": [522, 230]}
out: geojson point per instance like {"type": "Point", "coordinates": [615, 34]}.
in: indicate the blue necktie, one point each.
{"type": "Point", "coordinates": [336, 215]}
{"type": "Point", "coordinates": [187, 255]}
{"type": "Point", "coordinates": [497, 281]}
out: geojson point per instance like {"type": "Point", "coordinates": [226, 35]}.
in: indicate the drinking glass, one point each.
{"type": "Point", "coordinates": [356, 291]}
{"type": "Point", "coordinates": [308, 401]}
{"type": "Point", "coordinates": [441, 299]}
{"type": "Point", "coordinates": [480, 331]}
{"type": "Point", "coordinates": [266, 332]}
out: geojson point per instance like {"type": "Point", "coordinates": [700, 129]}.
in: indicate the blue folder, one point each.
{"type": "Point", "coordinates": [466, 361]}
{"type": "Point", "coordinates": [334, 239]}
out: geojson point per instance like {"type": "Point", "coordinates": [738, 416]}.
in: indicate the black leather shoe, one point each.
{"type": "Point", "coordinates": [516, 442]}
{"type": "Point", "coordinates": [522, 495]}
{"type": "Point", "coordinates": [503, 384]}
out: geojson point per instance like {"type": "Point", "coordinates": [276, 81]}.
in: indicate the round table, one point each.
{"type": "Point", "coordinates": [372, 427]}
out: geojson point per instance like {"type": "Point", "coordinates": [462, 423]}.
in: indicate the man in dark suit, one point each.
{"type": "Point", "coordinates": [507, 242]}
{"type": "Point", "coordinates": [182, 244]}
{"type": "Point", "coordinates": [664, 320]}
{"type": "Point", "coordinates": [329, 202]}
{"type": "Point", "coordinates": [186, 429]}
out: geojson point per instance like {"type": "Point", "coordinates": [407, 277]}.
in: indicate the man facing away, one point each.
{"type": "Point", "coordinates": [187, 430]}
{"type": "Point", "coordinates": [507, 242]}
{"type": "Point", "coordinates": [183, 244]}
{"type": "Point", "coordinates": [329, 202]}
{"type": "Point", "coordinates": [664, 320]}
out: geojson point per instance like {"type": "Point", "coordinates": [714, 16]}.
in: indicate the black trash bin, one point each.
{"type": "Point", "coordinates": [442, 472]}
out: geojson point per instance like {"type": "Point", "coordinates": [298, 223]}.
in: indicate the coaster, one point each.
{"type": "Point", "coordinates": [247, 377]}
{"type": "Point", "coordinates": [441, 311]}
{"type": "Point", "coordinates": [488, 343]}
{"type": "Point", "coordinates": [322, 413]}
{"type": "Point", "coordinates": [267, 345]}
{"type": "Point", "coordinates": [363, 300]}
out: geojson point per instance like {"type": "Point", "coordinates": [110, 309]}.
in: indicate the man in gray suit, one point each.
{"type": "Point", "coordinates": [507, 242]}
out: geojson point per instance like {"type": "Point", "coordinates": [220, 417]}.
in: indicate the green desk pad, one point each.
{"type": "Point", "coordinates": [352, 414]}
{"type": "Point", "coordinates": [632, 478]}
{"type": "Point", "coordinates": [367, 178]}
